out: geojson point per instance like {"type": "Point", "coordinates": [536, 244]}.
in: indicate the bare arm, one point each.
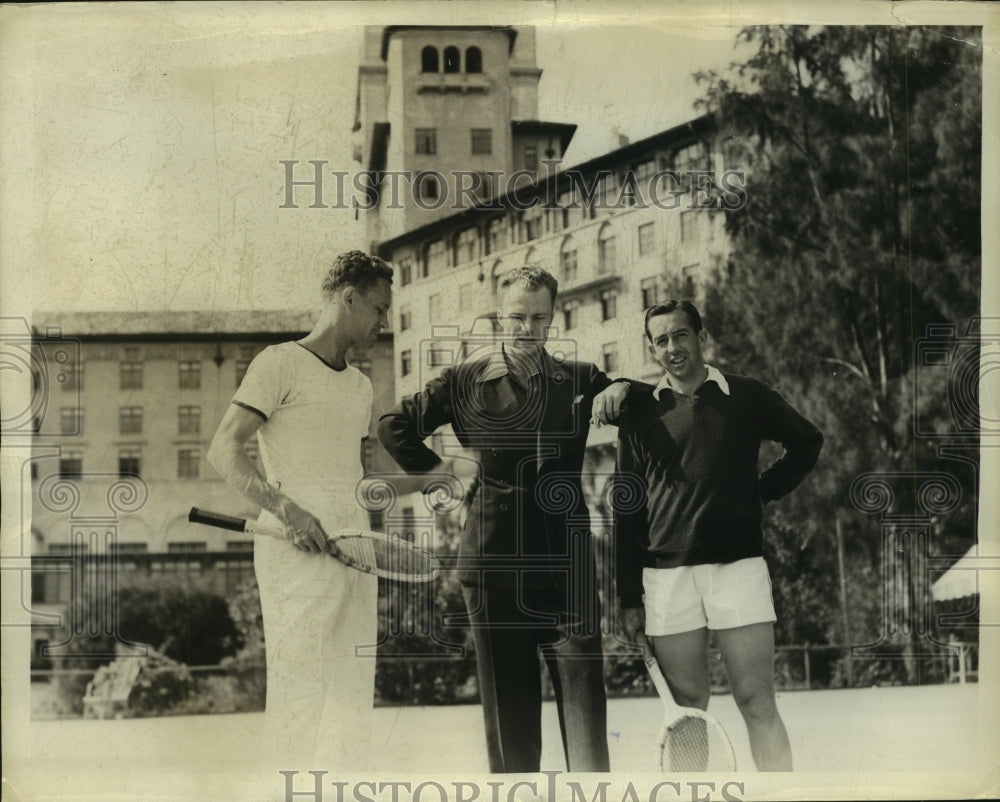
{"type": "Point", "coordinates": [227, 456]}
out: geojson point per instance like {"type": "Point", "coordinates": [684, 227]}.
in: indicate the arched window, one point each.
{"type": "Point", "coordinates": [429, 59]}
{"type": "Point", "coordinates": [452, 57]}
{"type": "Point", "coordinates": [607, 257]}
{"type": "Point", "coordinates": [567, 260]}
{"type": "Point", "coordinates": [495, 274]}
{"type": "Point", "coordinates": [473, 59]}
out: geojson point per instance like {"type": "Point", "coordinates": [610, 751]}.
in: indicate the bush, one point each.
{"type": "Point", "coordinates": [193, 627]}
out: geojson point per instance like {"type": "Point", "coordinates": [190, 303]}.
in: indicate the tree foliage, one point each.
{"type": "Point", "coordinates": [861, 150]}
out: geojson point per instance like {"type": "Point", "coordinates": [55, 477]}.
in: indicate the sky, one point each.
{"type": "Point", "coordinates": [142, 169]}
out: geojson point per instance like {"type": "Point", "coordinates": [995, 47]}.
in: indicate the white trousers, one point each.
{"type": "Point", "coordinates": [317, 614]}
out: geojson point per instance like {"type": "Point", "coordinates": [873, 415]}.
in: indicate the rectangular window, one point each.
{"type": "Point", "coordinates": [436, 357]}
{"type": "Point", "coordinates": [530, 157]}
{"type": "Point", "coordinates": [607, 256]}
{"type": "Point", "coordinates": [426, 141]}
{"type": "Point", "coordinates": [533, 224]}
{"type": "Point", "coordinates": [647, 244]}
{"type": "Point", "coordinates": [71, 465]}
{"type": "Point", "coordinates": [437, 256]}
{"type": "Point", "coordinates": [131, 548]}
{"type": "Point", "coordinates": [644, 171]}
{"type": "Point", "coordinates": [243, 364]}
{"type": "Point", "coordinates": [70, 420]}
{"type": "Point", "coordinates": [405, 272]}
{"type": "Point", "coordinates": [131, 375]}
{"type": "Point", "coordinates": [189, 375]}
{"type": "Point", "coordinates": [434, 308]}
{"type": "Point", "coordinates": [571, 311]}
{"type": "Point", "coordinates": [495, 235]}
{"type": "Point", "coordinates": [406, 362]}
{"type": "Point", "coordinates": [609, 304]}
{"type": "Point", "coordinates": [610, 353]}
{"type": "Point", "coordinates": [189, 420]}
{"type": "Point", "coordinates": [187, 546]}
{"type": "Point", "coordinates": [130, 420]}
{"type": "Point", "coordinates": [649, 292]}
{"type": "Point", "coordinates": [239, 545]}
{"type": "Point", "coordinates": [482, 141]}
{"type": "Point", "coordinates": [188, 463]}
{"type": "Point", "coordinates": [467, 246]}
{"type": "Point", "coordinates": [129, 462]}
{"type": "Point", "coordinates": [73, 372]}
{"type": "Point", "coordinates": [567, 264]}
{"type": "Point", "coordinates": [404, 317]}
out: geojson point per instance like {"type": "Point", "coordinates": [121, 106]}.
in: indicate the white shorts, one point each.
{"type": "Point", "coordinates": [716, 595]}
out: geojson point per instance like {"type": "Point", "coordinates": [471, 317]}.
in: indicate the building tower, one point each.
{"type": "Point", "coordinates": [453, 108]}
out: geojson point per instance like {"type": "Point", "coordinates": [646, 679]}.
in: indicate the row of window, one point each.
{"type": "Point", "coordinates": [138, 547]}
{"type": "Point", "coordinates": [465, 245]}
{"type": "Point", "coordinates": [130, 374]}
{"type": "Point", "coordinates": [130, 420]}
{"type": "Point", "coordinates": [480, 143]}
{"type": "Point", "coordinates": [431, 59]}
{"type": "Point", "coordinates": [648, 288]}
{"type": "Point", "coordinates": [437, 358]}
{"type": "Point", "coordinates": [130, 463]}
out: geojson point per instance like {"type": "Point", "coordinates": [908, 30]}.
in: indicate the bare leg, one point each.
{"type": "Point", "coordinates": [748, 653]}
{"type": "Point", "coordinates": [683, 659]}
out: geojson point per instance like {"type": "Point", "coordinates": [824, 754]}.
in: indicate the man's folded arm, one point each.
{"type": "Point", "coordinates": [403, 429]}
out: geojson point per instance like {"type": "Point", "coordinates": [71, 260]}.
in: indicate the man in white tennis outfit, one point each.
{"type": "Point", "coordinates": [310, 410]}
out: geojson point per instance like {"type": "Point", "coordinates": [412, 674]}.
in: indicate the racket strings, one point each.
{"type": "Point", "coordinates": [388, 557]}
{"type": "Point", "coordinates": [694, 744]}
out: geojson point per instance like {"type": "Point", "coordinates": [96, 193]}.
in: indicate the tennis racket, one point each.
{"type": "Point", "coordinates": [689, 739]}
{"type": "Point", "coordinates": [361, 549]}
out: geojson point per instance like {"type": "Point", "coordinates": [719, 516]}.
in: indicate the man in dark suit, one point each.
{"type": "Point", "coordinates": [526, 560]}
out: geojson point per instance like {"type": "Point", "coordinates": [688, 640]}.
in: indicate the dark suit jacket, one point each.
{"type": "Point", "coordinates": [529, 515]}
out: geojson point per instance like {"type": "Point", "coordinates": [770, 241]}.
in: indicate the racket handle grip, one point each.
{"type": "Point", "coordinates": [197, 516]}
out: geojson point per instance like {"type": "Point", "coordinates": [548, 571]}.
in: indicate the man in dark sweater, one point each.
{"type": "Point", "coordinates": [688, 540]}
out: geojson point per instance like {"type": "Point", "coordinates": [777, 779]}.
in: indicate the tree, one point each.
{"type": "Point", "coordinates": [861, 151]}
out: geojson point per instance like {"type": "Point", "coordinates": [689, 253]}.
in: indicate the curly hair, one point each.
{"type": "Point", "coordinates": [355, 269]}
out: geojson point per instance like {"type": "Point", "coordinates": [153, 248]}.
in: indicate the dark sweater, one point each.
{"type": "Point", "coordinates": [688, 490]}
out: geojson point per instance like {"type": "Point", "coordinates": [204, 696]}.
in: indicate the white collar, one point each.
{"type": "Point", "coordinates": [714, 375]}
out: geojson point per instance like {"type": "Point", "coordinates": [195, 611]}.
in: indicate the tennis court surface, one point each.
{"type": "Point", "coordinates": [906, 730]}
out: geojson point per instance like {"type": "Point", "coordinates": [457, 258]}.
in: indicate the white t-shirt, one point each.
{"type": "Point", "coordinates": [316, 417]}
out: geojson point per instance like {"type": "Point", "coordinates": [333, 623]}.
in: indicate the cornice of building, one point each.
{"type": "Point", "coordinates": [517, 198]}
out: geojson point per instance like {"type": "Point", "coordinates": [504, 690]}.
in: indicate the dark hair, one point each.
{"type": "Point", "coordinates": [355, 269]}
{"type": "Point", "coordinates": [669, 307]}
{"type": "Point", "coordinates": [532, 277]}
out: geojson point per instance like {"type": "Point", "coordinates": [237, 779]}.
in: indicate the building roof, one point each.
{"type": "Point", "coordinates": [498, 205]}
{"type": "Point", "coordinates": [163, 324]}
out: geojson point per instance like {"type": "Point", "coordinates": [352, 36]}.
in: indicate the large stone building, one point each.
{"type": "Point", "coordinates": [126, 405]}
{"type": "Point", "coordinates": [620, 231]}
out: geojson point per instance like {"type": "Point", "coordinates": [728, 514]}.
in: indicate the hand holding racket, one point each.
{"type": "Point", "coordinates": [689, 739]}
{"type": "Point", "coordinates": [364, 550]}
